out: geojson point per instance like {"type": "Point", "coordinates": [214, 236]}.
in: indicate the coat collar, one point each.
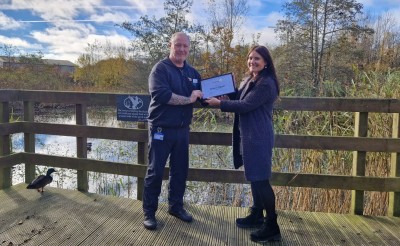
{"type": "Point", "coordinates": [246, 87]}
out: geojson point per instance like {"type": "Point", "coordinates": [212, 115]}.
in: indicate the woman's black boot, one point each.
{"type": "Point", "coordinates": [253, 220]}
{"type": "Point", "coordinates": [269, 231]}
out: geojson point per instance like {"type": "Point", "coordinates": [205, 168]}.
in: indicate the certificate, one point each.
{"type": "Point", "coordinates": [218, 85]}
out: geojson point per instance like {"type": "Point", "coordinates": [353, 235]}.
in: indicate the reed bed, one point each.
{"type": "Point", "coordinates": [372, 85]}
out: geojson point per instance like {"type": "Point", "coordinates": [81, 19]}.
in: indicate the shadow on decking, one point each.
{"type": "Point", "coordinates": [67, 217]}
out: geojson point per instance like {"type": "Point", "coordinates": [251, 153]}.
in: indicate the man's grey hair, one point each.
{"type": "Point", "coordinates": [173, 37]}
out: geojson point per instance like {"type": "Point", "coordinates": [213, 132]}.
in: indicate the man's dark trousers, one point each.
{"type": "Point", "coordinates": [164, 143]}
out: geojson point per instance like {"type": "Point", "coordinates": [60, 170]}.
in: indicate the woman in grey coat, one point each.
{"type": "Point", "coordinates": [253, 139]}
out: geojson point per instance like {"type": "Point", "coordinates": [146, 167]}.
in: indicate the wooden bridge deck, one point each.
{"type": "Point", "coordinates": [67, 217]}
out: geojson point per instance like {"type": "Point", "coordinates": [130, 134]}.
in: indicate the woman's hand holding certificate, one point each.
{"type": "Point", "coordinates": [216, 101]}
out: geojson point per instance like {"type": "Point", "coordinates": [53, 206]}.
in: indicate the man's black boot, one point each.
{"type": "Point", "coordinates": [269, 231]}
{"type": "Point", "coordinates": [150, 222]}
{"type": "Point", "coordinates": [181, 214]}
{"type": "Point", "coordinates": [253, 220]}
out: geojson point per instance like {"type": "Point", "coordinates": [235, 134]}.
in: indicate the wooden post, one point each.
{"type": "Point", "coordinates": [5, 173]}
{"type": "Point", "coordinates": [29, 141]}
{"type": "Point", "coordinates": [359, 161]}
{"type": "Point", "coordinates": [81, 148]}
{"type": "Point", "coordinates": [394, 197]}
{"type": "Point", "coordinates": [142, 159]}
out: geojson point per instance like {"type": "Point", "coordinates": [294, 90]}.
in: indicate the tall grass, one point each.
{"type": "Point", "coordinates": [365, 85]}
{"type": "Point", "coordinates": [371, 85]}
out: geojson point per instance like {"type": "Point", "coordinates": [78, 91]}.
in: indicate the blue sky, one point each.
{"type": "Point", "coordinates": [61, 29]}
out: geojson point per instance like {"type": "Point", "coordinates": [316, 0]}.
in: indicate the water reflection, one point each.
{"type": "Point", "coordinates": [125, 152]}
{"type": "Point", "coordinates": [107, 150]}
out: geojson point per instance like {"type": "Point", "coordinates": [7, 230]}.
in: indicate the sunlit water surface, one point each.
{"type": "Point", "coordinates": [126, 152]}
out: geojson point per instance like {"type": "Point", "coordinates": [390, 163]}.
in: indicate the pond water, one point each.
{"type": "Point", "coordinates": [126, 152]}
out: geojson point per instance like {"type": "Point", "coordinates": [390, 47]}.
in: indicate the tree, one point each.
{"type": "Point", "coordinates": [151, 36]}
{"type": "Point", "coordinates": [311, 29]}
{"type": "Point", "coordinates": [226, 18]}
{"type": "Point", "coordinates": [87, 74]}
{"type": "Point", "coordinates": [33, 62]}
{"type": "Point", "coordinates": [384, 45]}
{"type": "Point", "coordinates": [9, 52]}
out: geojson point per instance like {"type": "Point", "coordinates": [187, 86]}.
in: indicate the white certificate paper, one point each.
{"type": "Point", "coordinates": [218, 85]}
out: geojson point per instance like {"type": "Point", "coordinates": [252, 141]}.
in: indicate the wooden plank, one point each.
{"type": "Point", "coordinates": [220, 175]}
{"type": "Point", "coordinates": [394, 197]}
{"type": "Point", "coordinates": [10, 160]}
{"type": "Point", "coordinates": [67, 97]}
{"type": "Point", "coordinates": [8, 128]}
{"type": "Point", "coordinates": [29, 141]}
{"type": "Point", "coordinates": [391, 229]}
{"type": "Point", "coordinates": [210, 138]}
{"type": "Point", "coordinates": [81, 148]}
{"type": "Point", "coordinates": [88, 164]}
{"type": "Point", "coordinates": [285, 103]}
{"type": "Point", "coordinates": [215, 138]}
{"type": "Point", "coordinates": [87, 220]}
{"type": "Point", "coordinates": [338, 104]}
{"type": "Point", "coordinates": [142, 160]}
{"type": "Point", "coordinates": [359, 162]}
{"type": "Point", "coordinates": [29, 217]}
{"type": "Point", "coordinates": [5, 148]}
{"type": "Point", "coordinates": [364, 230]}
{"type": "Point", "coordinates": [103, 222]}
{"type": "Point", "coordinates": [383, 236]}
{"type": "Point", "coordinates": [335, 181]}
{"type": "Point", "coordinates": [321, 234]}
{"type": "Point", "coordinates": [294, 228]}
{"type": "Point", "coordinates": [67, 217]}
{"type": "Point", "coordinates": [351, 231]}
{"type": "Point", "coordinates": [129, 231]}
{"type": "Point", "coordinates": [86, 131]}
{"type": "Point", "coordinates": [337, 143]}
{"type": "Point", "coordinates": [7, 95]}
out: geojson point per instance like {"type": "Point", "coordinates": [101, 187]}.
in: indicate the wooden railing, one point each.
{"type": "Point", "coordinates": [360, 144]}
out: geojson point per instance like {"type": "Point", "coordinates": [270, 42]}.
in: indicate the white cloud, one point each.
{"type": "Point", "coordinates": [70, 43]}
{"type": "Point", "coordinates": [254, 3]}
{"type": "Point", "coordinates": [273, 17]}
{"type": "Point", "coordinates": [370, 3]}
{"type": "Point", "coordinates": [377, 6]}
{"type": "Point", "coordinates": [73, 24]}
{"type": "Point", "coordinates": [66, 38]}
{"type": "Point", "coordinates": [55, 9]}
{"type": "Point", "coordinates": [267, 36]}
{"type": "Point", "coordinates": [263, 25]}
{"type": "Point", "coordinates": [116, 17]}
{"type": "Point", "coordinates": [366, 3]}
{"type": "Point", "coordinates": [395, 14]}
{"type": "Point", "coordinates": [7, 23]}
{"type": "Point", "coordinates": [198, 14]}
{"type": "Point", "coordinates": [153, 7]}
{"type": "Point", "coordinates": [17, 42]}
{"type": "Point", "coordinates": [112, 38]}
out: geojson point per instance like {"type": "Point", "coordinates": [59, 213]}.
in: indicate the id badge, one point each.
{"type": "Point", "coordinates": [159, 135]}
{"type": "Point", "coordinates": [195, 83]}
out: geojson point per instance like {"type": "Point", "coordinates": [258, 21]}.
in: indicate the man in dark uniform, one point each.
{"type": "Point", "coordinates": [173, 86]}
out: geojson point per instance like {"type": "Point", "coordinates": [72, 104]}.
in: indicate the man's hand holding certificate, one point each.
{"type": "Point", "coordinates": [217, 86]}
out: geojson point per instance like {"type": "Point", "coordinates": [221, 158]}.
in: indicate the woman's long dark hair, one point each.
{"type": "Point", "coordinates": [270, 68]}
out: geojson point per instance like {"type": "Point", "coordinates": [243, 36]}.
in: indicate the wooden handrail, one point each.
{"type": "Point", "coordinates": [368, 144]}
{"type": "Point", "coordinates": [284, 103]}
{"type": "Point", "coordinates": [209, 174]}
{"type": "Point", "coordinates": [360, 143]}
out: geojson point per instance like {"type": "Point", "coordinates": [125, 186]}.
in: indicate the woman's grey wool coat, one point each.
{"type": "Point", "coordinates": [253, 133]}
